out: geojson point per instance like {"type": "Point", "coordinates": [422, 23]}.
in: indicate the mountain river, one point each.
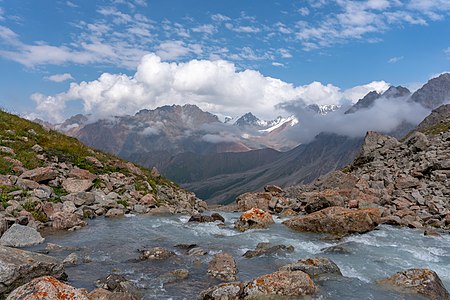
{"type": "Point", "coordinates": [112, 246]}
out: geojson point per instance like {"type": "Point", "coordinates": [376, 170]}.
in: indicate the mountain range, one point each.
{"type": "Point", "coordinates": [219, 160]}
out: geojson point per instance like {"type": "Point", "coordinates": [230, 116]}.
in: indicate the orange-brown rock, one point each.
{"type": "Point", "coordinates": [418, 281]}
{"type": "Point", "coordinates": [82, 174]}
{"type": "Point", "coordinates": [254, 218]}
{"type": "Point", "coordinates": [281, 283]}
{"type": "Point", "coordinates": [48, 287]}
{"type": "Point", "coordinates": [337, 220]}
{"type": "Point", "coordinates": [40, 174]}
{"type": "Point", "coordinates": [248, 201]}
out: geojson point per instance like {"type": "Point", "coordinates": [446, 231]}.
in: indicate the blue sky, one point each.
{"type": "Point", "coordinates": [227, 56]}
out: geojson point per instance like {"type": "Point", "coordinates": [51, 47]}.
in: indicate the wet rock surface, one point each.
{"type": "Point", "coordinates": [269, 249]}
{"type": "Point", "coordinates": [337, 220]}
{"type": "Point", "coordinates": [223, 267]}
{"type": "Point", "coordinates": [253, 219]}
{"type": "Point", "coordinates": [420, 281]}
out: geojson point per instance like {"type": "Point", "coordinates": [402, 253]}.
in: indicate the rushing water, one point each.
{"type": "Point", "coordinates": [112, 244]}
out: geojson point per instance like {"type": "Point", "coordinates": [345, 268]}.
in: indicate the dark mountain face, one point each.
{"type": "Point", "coordinates": [434, 93]}
{"type": "Point", "coordinates": [369, 100]}
{"type": "Point", "coordinates": [302, 164]}
{"type": "Point", "coordinates": [247, 120]}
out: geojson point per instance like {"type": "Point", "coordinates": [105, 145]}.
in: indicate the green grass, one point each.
{"type": "Point", "coordinates": [66, 149]}
{"type": "Point", "coordinates": [438, 128]}
{"type": "Point", "coordinates": [123, 202]}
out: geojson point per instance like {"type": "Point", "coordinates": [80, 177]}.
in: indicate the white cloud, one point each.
{"type": "Point", "coordinates": [242, 29]}
{"type": "Point", "coordinates": [285, 53]}
{"type": "Point", "coordinates": [149, 131]}
{"type": "Point", "coordinates": [447, 51]}
{"type": "Point", "coordinates": [304, 11]}
{"type": "Point", "coordinates": [215, 86]}
{"type": "Point", "coordinates": [395, 59]}
{"type": "Point", "coordinates": [222, 137]}
{"type": "Point", "coordinates": [358, 92]}
{"type": "Point", "coordinates": [2, 13]}
{"type": "Point", "coordinates": [277, 64]}
{"type": "Point", "coordinates": [208, 28]}
{"type": "Point", "coordinates": [220, 18]}
{"type": "Point", "coordinates": [173, 50]}
{"type": "Point", "coordinates": [60, 77]}
{"type": "Point", "coordinates": [71, 4]}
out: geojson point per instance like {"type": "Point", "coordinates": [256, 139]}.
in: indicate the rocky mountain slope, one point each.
{"type": "Point", "coordinates": [408, 180]}
{"type": "Point", "coordinates": [50, 180]}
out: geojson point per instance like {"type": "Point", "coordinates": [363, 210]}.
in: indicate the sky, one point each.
{"type": "Point", "coordinates": [115, 57]}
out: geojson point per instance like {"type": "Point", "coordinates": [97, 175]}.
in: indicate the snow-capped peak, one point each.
{"type": "Point", "coordinates": [279, 122]}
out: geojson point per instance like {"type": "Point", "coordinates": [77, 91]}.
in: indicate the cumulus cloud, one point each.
{"type": "Point", "coordinates": [215, 86]}
{"type": "Point", "coordinates": [385, 116]}
{"type": "Point", "coordinates": [60, 77]}
{"type": "Point", "coordinates": [149, 131]}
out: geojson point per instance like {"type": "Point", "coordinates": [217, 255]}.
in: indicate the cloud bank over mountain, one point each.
{"type": "Point", "coordinates": [216, 86]}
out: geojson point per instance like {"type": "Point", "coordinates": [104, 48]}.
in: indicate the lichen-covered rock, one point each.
{"type": "Point", "coordinates": [337, 220]}
{"type": "Point", "coordinates": [254, 218]}
{"type": "Point", "coordinates": [223, 291]}
{"type": "Point", "coordinates": [418, 281]}
{"type": "Point", "coordinates": [157, 253]}
{"type": "Point", "coordinates": [223, 267]}
{"type": "Point", "coordinates": [281, 283]}
{"type": "Point", "coordinates": [19, 267]}
{"type": "Point", "coordinates": [21, 236]}
{"type": "Point", "coordinates": [314, 267]}
{"type": "Point", "coordinates": [48, 287]}
{"type": "Point", "coordinates": [248, 201]}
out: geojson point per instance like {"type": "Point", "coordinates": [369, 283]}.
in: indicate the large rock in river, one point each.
{"type": "Point", "coordinates": [18, 267]}
{"type": "Point", "coordinates": [48, 287]}
{"type": "Point", "coordinates": [314, 267]}
{"type": "Point", "coordinates": [223, 267]}
{"type": "Point", "coordinates": [21, 236]}
{"type": "Point", "coordinates": [254, 218]}
{"type": "Point", "coordinates": [418, 281]}
{"type": "Point", "coordinates": [337, 220]}
{"type": "Point", "coordinates": [281, 283]}
{"type": "Point", "coordinates": [224, 291]}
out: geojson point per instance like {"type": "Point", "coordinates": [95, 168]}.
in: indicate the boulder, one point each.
{"type": "Point", "coordinates": [281, 283]}
{"type": "Point", "coordinates": [21, 236]}
{"type": "Point", "coordinates": [26, 184]}
{"type": "Point", "coordinates": [205, 219]}
{"type": "Point", "coordinates": [81, 174]}
{"type": "Point", "coordinates": [418, 281]}
{"type": "Point", "coordinates": [79, 199]}
{"type": "Point", "coordinates": [41, 174]}
{"type": "Point", "coordinates": [5, 181]}
{"type": "Point", "coordinates": [64, 220]}
{"type": "Point", "coordinates": [94, 161]}
{"type": "Point", "coordinates": [19, 267]}
{"type": "Point", "coordinates": [223, 291]}
{"type": "Point", "coordinates": [71, 260]}
{"type": "Point", "coordinates": [268, 249]}
{"type": "Point", "coordinates": [337, 220]}
{"type": "Point", "coordinates": [114, 212]}
{"type": "Point", "coordinates": [48, 287]}
{"type": "Point", "coordinates": [148, 199]}
{"type": "Point", "coordinates": [314, 267]}
{"type": "Point", "coordinates": [118, 285]}
{"type": "Point", "coordinates": [223, 267]}
{"type": "Point", "coordinates": [157, 253]}
{"type": "Point", "coordinates": [254, 218]}
{"type": "Point", "coordinates": [273, 189]}
{"type": "Point", "coordinates": [250, 200]}
{"type": "Point", "coordinates": [73, 185]}
{"type": "Point", "coordinates": [3, 225]}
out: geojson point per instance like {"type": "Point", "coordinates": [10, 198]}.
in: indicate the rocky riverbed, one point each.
{"type": "Point", "coordinates": [113, 246]}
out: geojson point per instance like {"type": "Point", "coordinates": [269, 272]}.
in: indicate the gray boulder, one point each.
{"type": "Point", "coordinates": [18, 267]}
{"type": "Point", "coordinates": [21, 236]}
